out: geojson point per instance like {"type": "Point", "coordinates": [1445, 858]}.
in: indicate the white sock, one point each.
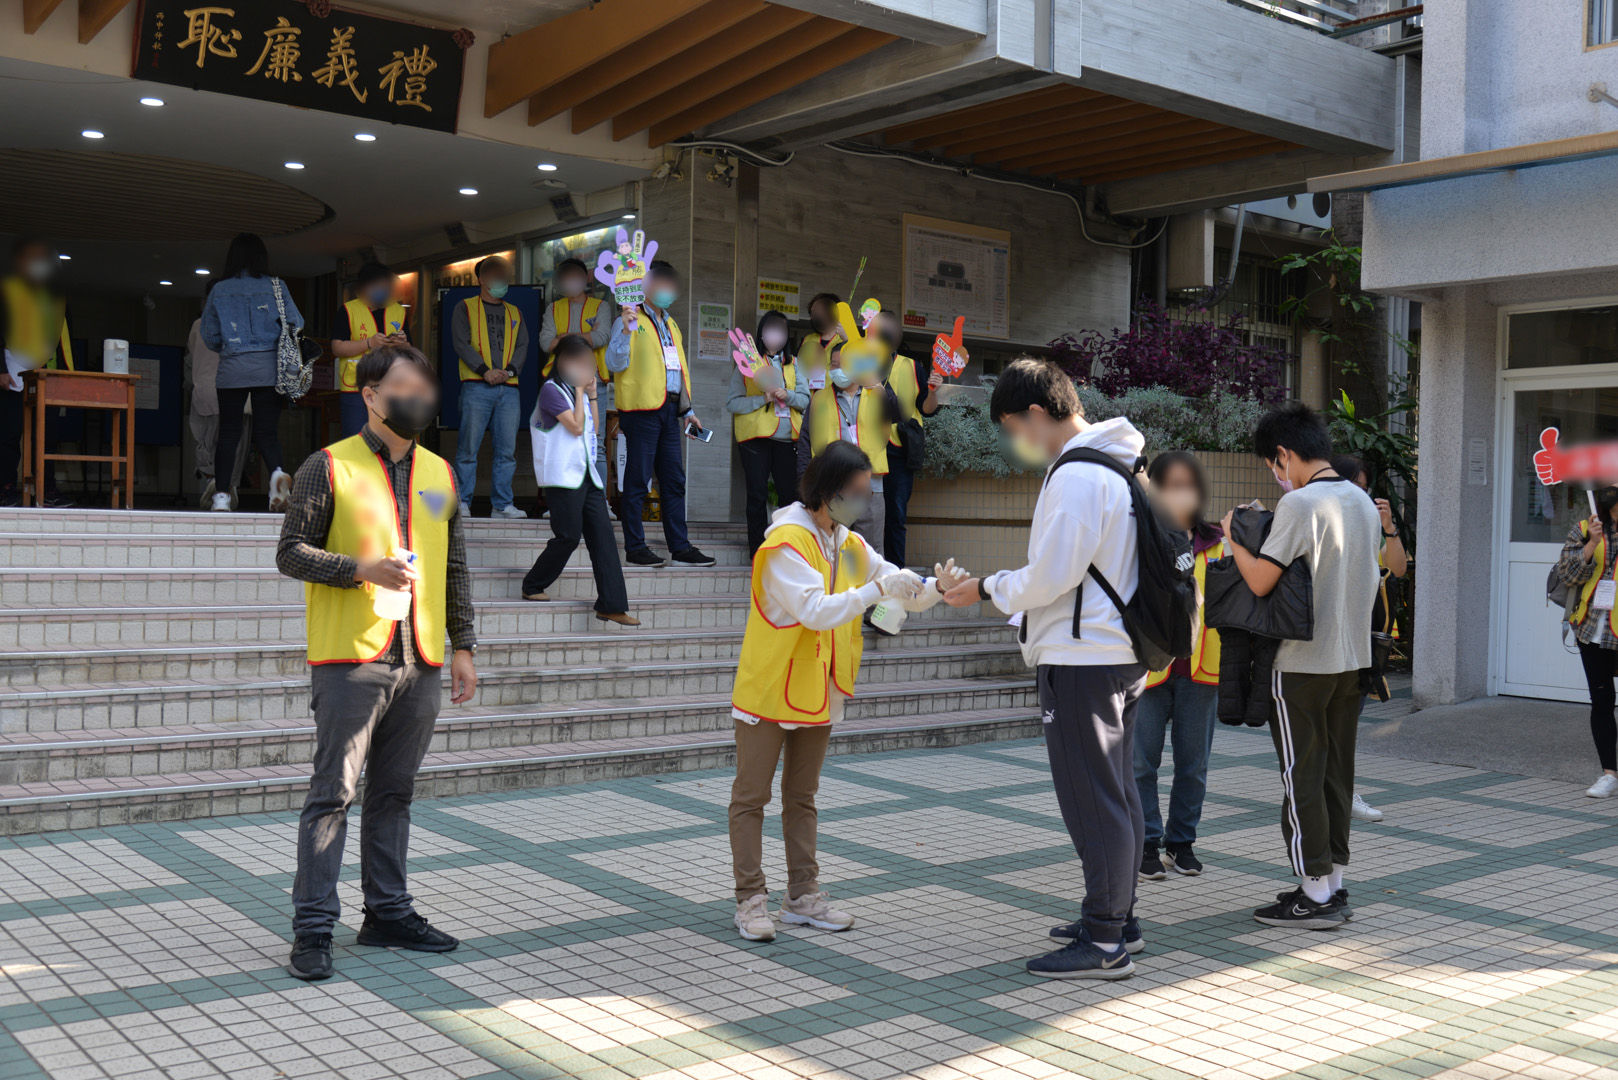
{"type": "Point", "coordinates": [1335, 878]}
{"type": "Point", "coordinates": [1109, 947]}
{"type": "Point", "coordinates": [1317, 889]}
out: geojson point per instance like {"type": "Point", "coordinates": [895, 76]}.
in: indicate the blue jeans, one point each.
{"type": "Point", "coordinates": [1192, 707]}
{"type": "Point", "coordinates": [655, 439]}
{"type": "Point", "coordinates": [492, 409]}
{"type": "Point", "coordinates": [351, 413]}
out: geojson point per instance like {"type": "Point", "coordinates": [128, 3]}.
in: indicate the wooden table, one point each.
{"type": "Point", "coordinates": [48, 388]}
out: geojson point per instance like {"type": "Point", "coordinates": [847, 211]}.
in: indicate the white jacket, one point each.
{"type": "Point", "coordinates": [561, 458]}
{"type": "Point", "coordinates": [1083, 518]}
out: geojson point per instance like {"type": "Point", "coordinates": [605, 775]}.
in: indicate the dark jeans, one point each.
{"type": "Point", "coordinates": [1600, 666]}
{"type": "Point", "coordinates": [267, 405]}
{"type": "Point", "coordinates": [896, 488]}
{"type": "Point", "coordinates": [655, 439]}
{"type": "Point", "coordinates": [377, 717]}
{"type": "Point", "coordinates": [763, 460]}
{"type": "Point", "coordinates": [11, 421]}
{"type": "Point", "coordinates": [577, 513]}
{"type": "Point", "coordinates": [351, 413]}
{"type": "Point", "coordinates": [1317, 719]}
{"type": "Point", "coordinates": [1184, 710]}
{"type": "Point", "coordinates": [1089, 715]}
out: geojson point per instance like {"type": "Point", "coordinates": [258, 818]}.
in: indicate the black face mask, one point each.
{"type": "Point", "coordinates": [1606, 499]}
{"type": "Point", "coordinates": [408, 417]}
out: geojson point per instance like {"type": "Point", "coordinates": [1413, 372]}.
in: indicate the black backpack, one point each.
{"type": "Point", "coordinates": [1162, 613]}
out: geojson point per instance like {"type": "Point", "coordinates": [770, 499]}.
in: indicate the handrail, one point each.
{"type": "Point", "coordinates": [1314, 14]}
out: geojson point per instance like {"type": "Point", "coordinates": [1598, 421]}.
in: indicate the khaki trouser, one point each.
{"type": "Point", "coordinates": [758, 747]}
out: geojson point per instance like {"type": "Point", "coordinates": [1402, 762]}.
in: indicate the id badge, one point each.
{"type": "Point", "coordinates": [671, 358]}
{"type": "Point", "coordinates": [782, 409]}
{"type": "Point", "coordinates": [817, 380]}
{"type": "Point", "coordinates": [1605, 594]}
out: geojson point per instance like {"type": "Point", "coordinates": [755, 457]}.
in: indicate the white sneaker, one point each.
{"type": "Point", "coordinates": [753, 920]}
{"type": "Point", "coordinates": [511, 512]}
{"type": "Point", "coordinates": [1605, 787]}
{"type": "Point", "coordinates": [1363, 811]}
{"type": "Point", "coordinates": [280, 491]}
{"type": "Point", "coordinates": [814, 909]}
{"type": "Point", "coordinates": [221, 502]}
{"type": "Point", "coordinates": [466, 511]}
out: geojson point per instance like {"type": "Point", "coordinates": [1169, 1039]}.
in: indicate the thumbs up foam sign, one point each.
{"type": "Point", "coordinates": [624, 270]}
{"type": "Point", "coordinates": [1591, 464]}
{"type": "Point", "coordinates": [949, 358]}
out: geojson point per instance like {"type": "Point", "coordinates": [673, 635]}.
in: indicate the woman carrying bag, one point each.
{"type": "Point", "coordinates": [766, 411]}
{"type": "Point", "coordinates": [1587, 567]}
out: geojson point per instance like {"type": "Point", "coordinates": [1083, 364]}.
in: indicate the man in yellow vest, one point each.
{"type": "Point", "coordinates": [373, 318]}
{"type": "Point", "coordinates": [374, 532]}
{"type": "Point", "coordinates": [652, 389]}
{"type": "Point", "coordinates": [575, 311]}
{"type": "Point", "coordinates": [917, 399]}
{"type": "Point", "coordinates": [33, 323]}
{"type": "Point", "coordinates": [856, 407]}
{"type": "Point", "coordinates": [491, 341]}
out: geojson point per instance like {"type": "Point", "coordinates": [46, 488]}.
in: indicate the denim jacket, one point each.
{"type": "Point", "coordinates": [240, 316]}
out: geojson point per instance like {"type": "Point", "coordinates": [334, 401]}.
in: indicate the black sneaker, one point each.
{"type": "Point", "coordinates": [1082, 959]}
{"type": "Point", "coordinates": [692, 557]}
{"type": "Point", "coordinates": [643, 557]}
{"type": "Point", "coordinates": [1294, 909]}
{"type": "Point", "coordinates": [410, 932]}
{"type": "Point", "coordinates": [1181, 860]}
{"type": "Point", "coordinates": [1339, 900]}
{"type": "Point", "coordinates": [1151, 865]}
{"type": "Point", "coordinates": [1134, 941]}
{"type": "Point", "coordinates": [311, 958]}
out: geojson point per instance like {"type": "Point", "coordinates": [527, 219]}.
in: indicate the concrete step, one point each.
{"type": "Point", "coordinates": [166, 702]}
{"type": "Point", "coordinates": [285, 659]}
{"type": "Point", "coordinates": [51, 805]}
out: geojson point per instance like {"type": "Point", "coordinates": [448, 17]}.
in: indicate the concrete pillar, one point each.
{"type": "Point", "coordinates": [1455, 525]}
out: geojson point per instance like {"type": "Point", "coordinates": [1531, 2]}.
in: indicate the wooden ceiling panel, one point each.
{"type": "Point", "coordinates": [1244, 146]}
{"type": "Point", "coordinates": [1115, 142]}
{"type": "Point", "coordinates": [1087, 125]}
{"type": "Point", "coordinates": [936, 129]}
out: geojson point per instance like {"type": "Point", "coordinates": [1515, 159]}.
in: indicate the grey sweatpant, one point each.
{"type": "Point", "coordinates": [1089, 715]}
{"type": "Point", "coordinates": [377, 717]}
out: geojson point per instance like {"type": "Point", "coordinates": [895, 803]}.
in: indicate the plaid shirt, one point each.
{"type": "Point", "coordinates": [1573, 570]}
{"type": "Point", "coordinates": [302, 554]}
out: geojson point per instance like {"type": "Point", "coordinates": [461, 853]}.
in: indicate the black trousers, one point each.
{"type": "Point", "coordinates": [267, 405]}
{"type": "Point", "coordinates": [1600, 667]}
{"type": "Point", "coordinates": [581, 513]}
{"type": "Point", "coordinates": [1317, 719]}
{"type": "Point", "coordinates": [11, 420]}
{"type": "Point", "coordinates": [763, 460]}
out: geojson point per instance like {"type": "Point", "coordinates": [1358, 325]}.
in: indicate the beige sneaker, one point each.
{"type": "Point", "coordinates": [280, 491]}
{"type": "Point", "coordinates": [753, 920]}
{"type": "Point", "coordinates": [814, 909]}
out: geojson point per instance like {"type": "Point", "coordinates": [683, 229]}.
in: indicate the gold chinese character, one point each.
{"type": "Point", "coordinates": [281, 50]}
{"type": "Point", "coordinates": [207, 37]}
{"type": "Point", "coordinates": [340, 62]}
{"type": "Point", "coordinates": [415, 66]}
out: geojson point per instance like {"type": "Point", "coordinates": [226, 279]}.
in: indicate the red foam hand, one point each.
{"type": "Point", "coordinates": [1591, 464]}
{"type": "Point", "coordinates": [949, 358]}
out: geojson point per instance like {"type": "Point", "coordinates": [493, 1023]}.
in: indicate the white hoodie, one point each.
{"type": "Point", "coordinates": [1084, 518]}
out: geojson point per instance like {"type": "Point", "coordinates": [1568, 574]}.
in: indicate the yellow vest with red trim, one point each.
{"type": "Point", "coordinates": [643, 385]}
{"type": "Point", "coordinates": [762, 423]}
{"type": "Point", "coordinates": [365, 526]}
{"type": "Point", "coordinates": [870, 424]}
{"type": "Point", "coordinates": [562, 319]}
{"type": "Point", "coordinates": [478, 328]}
{"type": "Point", "coordinates": [1581, 610]}
{"type": "Point", "coordinates": [786, 672]}
{"type": "Point", "coordinates": [1205, 649]}
{"type": "Point", "coordinates": [361, 325]}
{"type": "Point", "coordinates": [903, 381]}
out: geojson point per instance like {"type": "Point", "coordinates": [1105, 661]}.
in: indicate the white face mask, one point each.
{"type": "Point", "coordinates": [39, 270]}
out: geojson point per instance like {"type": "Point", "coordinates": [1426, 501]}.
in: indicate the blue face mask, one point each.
{"type": "Point", "coordinates": [379, 296]}
{"type": "Point", "coordinates": [498, 289]}
{"type": "Point", "coordinates": [840, 378]}
{"type": "Point", "coordinates": [663, 299]}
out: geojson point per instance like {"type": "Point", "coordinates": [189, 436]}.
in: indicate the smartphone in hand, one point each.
{"type": "Point", "coordinates": [699, 434]}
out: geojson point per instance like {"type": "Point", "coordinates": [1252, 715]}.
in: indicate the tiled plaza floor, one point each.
{"type": "Point", "coordinates": [597, 941]}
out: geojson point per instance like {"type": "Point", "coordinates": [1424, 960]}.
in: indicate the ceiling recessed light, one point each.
{"type": "Point", "coordinates": [629, 217]}
{"type": "Point", "coordinates": [545, 166]}
{"type": "Point", "coordinates": [152, 102]}
{"type": "Point", "coordinates": [165, 282]}
{"type": "Point", "coordinates": [364, 136]}
{"type": "Point", "coordinates": [64, 256]}
{"type": "Point", "coordinates": [293, 164]}
{"type": "Point", "coordinates": [469, 191]}
{"type": "Point", "coordinates": [202, 271]}
{"type": "Point", "coordinates": [92, 133]}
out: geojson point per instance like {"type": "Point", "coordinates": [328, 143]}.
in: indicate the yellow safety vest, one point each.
{"type": "Point", "coordinates": [1581, 610]}
{"type": "Point", "coordinates": [761, 423]}
{"type": "Point", "coordinates": [36, 323]}
{"type": "Point", "coordinates": [365, 526]}
{"type": "Point", "coordinates": [812, 356]}
{"type": "Point", "coordinates": [643, 385]}
{"type": "Point", "coordinates": [562, 319]}
{"type": "Point", "coordinates": [479, 327]}
{"type": "Point", "coordinates": [826, 425]}
{"type": "Point", "coordinates": [903, 381]}
{"type": "Point", "coordinates": [362, 324]}
{"type": "Point", "coordinates": [1205, 649]}
{"type": "Point", "coordinates": [785, 672]}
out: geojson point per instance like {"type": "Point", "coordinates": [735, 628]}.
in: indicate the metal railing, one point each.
{"type": "Point", "coordinates": [1310, 13]}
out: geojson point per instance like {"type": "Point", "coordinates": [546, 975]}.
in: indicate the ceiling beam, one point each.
{"type": "Point", "coordinates": [1248, 145]}
{"type": "Point", "coordinates": [634, 60]}
{"type": "Point", "coordinates": [932, 22]}
{"type": "Point", "coordinates": [94, 15]}
{"type": "Point", "coordinates": [1113, 137]}
{"type": "Point", "coordinates": [851, 44]}
{"type": "Point", "coordinates": [1225, 184]}
{"type": "Point", "coordinates": [35, 12]}
{"type": "Point", "coordinates": [1106, 118]}
{"type": "Point", "coordinates": [732, 46]}
{"type": "Point", "coordinates": [945, 124]}
{"type": "Point", "coordinates": [550, 54]}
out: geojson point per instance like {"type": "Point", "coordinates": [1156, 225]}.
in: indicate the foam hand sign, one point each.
{"type": "Point", "coordinates": [864, 353]}
{"type": "Point", "coordinates": [1592, 464]}
{"type": "Point", "coordinates": [624, 269]}
{"type": "Point", "coordinates": [745, 352]}
{"type": "Point", "coordinates": [949, 357]}
{"type": "Point", "coordinates": [868, 312]}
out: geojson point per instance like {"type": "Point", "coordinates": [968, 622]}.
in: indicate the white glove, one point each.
{"type": "Point", "coordinates": [949, 575]}
{"type": "Point", "coordinates": [900, 585]}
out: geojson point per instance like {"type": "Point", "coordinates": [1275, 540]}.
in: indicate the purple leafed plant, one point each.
{"type": "Point", "coordinates": [1189, 358]}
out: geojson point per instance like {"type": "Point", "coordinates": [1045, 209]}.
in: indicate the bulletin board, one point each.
{"type": "Point", "coordinates": [951, 268]}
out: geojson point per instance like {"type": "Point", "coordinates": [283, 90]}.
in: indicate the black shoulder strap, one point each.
{"type": "Point", "coordinates": [1094, 457]}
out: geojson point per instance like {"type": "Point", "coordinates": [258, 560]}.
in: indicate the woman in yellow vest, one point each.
{"type": "Point", "coordinates": [33, 322]}
{"type": "Point", "coordinates": [814, 356]}
{"type": "Point", "coordinates": [812, 580]}
{"type": "Point", "coordinates": [917, 400]}
{"type": "Point", "coordinates": [373, 318]}
{"type": "Point", "coordinates": [1181, 700]}
{"type": "Point", "coordinates": [767, 415]}
{"type": "Point", "coordinates": [1587, 565]}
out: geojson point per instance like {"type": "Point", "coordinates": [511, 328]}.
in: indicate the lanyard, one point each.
{"type": "Point", "coordinates": [663, 335]}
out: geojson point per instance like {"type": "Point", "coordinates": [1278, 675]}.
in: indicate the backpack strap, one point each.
{"type": "Point", "coordinates": [1094, 457]}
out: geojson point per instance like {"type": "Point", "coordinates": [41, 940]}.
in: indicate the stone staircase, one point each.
{"type": "Point", "coordinates": [152, 668]}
